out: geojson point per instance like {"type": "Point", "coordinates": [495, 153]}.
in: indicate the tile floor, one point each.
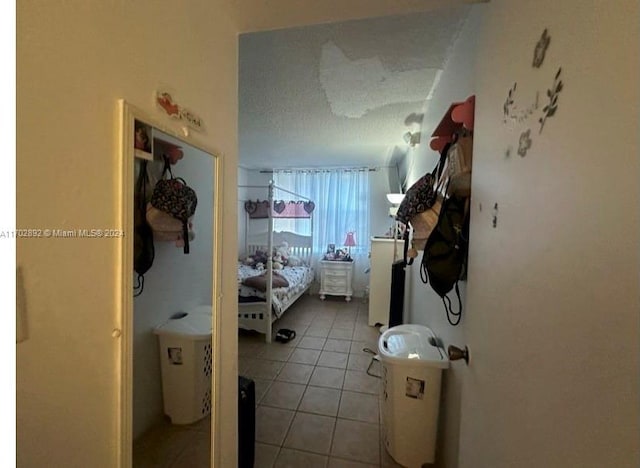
{"type": "Point", "coordinates": [315, 404]}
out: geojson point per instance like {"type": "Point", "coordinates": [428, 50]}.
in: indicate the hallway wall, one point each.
{"type": "Point", "coordinates": [552, 295]}
{"type": "Point", "coordinates": [75, 59]}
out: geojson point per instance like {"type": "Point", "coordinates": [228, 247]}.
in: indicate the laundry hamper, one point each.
{"type": "Point", "coordinates": [185, 355]}
{"type": "Point", "coordinates": [411, 380]}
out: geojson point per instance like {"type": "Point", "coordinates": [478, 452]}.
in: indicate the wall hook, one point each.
{"type": "Point", "coordinates": [456, 353]}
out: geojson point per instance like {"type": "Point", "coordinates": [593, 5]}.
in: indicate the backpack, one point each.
{"type": "Point", "coordinates": [445, 253]}
{"type": "Point", "coordinates": [175, 197]}
{"type": "Point", "coordinates": [143, 249]}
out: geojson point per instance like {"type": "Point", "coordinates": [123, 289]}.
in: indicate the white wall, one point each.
{"type": "Point", "coordinates": [554, 290]}
{"type": "Point", "coordinates": [176, 282]}
{"type": "Point", "coordinates": [74, 60]}
{"type": "Point", "coordinates": [552, 294]}
{"type": "Point", "coordinates": [457, 82]}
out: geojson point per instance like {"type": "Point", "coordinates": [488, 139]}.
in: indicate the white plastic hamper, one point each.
{"type": "Point", "coordinates": [185, 356]}
{"type": "Point", "coordinates": [411, 378]}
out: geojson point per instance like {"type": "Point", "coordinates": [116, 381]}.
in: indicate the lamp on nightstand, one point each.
{"type": "Point", "coordinates": [350, 241]}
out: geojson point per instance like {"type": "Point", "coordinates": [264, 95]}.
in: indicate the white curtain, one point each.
{"type": "Point", "coordinates": [341, 198]}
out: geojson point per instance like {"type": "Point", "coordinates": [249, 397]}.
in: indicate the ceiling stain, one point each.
{"type": "Point", "coordinates": [354, 87]}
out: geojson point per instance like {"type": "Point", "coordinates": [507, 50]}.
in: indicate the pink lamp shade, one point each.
{"type": "Point", "coordinates": [350, 241]}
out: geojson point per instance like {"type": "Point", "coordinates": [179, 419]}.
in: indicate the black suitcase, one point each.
{"type": "Point", "coordinates": [246, 422]}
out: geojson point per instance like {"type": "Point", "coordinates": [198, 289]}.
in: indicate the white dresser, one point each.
{"type": "Point", "coordinates": [336, 278]}
{"type": "Point", "coordinates": [384, 252]}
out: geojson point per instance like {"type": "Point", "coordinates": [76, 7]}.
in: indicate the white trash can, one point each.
{"type": "Point", "coordinates": [185, 356]}
{"type": "Point", "coordinates": [411, 376]}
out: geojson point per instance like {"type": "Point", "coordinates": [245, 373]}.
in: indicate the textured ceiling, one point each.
{"type": "Point", "coordinates": [339, 94]}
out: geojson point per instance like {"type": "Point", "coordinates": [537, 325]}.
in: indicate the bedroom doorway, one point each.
{"type": "Point", "coordinates": [158, 423]}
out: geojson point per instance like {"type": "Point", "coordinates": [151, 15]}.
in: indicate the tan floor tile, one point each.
{"type": "Point", "coordinates": [338, 346]}
{"type": "Point", "coordinates": [265, 455]}
{"type": "Point", "coordinates": [310, 432]}
{"type": "Point", "coordinates": [341, 463]}
{"type": "Point", "coordinates": [359, 362]}
{"type": "Point", "coordinates": [290, 458]}
{"type": "Point", "coordinates": [275, 352]}
{"type": "Point", "coordinates": [323, 320]}
{"type": "Point", "coordinates": [305, 356]}
{"type": "Point", "coordinates": [248, 349]}
{"type": "Point", "coordinates": [345, 322]}
{"type": "Point", "coordinates": [320, 400]}
{"type": "Point", "coordinates": [359, 406]}
{"type": "Point", "coordinates": [331, 359]}
{"type": "Point", "coordinates": [341, 333]}
{"type": "Point", "coordinates": [160, 446]}
{"type": "Point", "coordinates": [283, 395]}
{"type": "Point", "coordinates": [196, 454]}
{"type": "Point", "coordinates": [272, 424]}
{"type": "Point", "coordinates": [261, 387]}
{"type": "Point", "coordinates": [366, 333]}
{"type": "Point", "coordinates": [327, 377]}
{"type": "Point", "coordinates": [357, 347]}
{"type": "Point", "coordinates": [295, 373]}
{"type": "Point", "coordinates": [358, 381]}
{"type": "Point", "coordinates": [318, 331]}
{"type": "Point", "coordinates": [263, 369]}
{"type": "Point", "coordinates": [311, 342]}
{"type": "Point", "coordinates": [358, 441]}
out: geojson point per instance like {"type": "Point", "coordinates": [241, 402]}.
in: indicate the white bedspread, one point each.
{"type": "Point", "coordinates": [298, 277]}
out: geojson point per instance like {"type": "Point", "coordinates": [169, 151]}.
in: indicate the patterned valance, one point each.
{"type": "Point", "coordinates": [281, 209]}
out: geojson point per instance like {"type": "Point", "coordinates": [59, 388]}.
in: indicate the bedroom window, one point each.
{"type": "Point", "coordinates": [341, 197]}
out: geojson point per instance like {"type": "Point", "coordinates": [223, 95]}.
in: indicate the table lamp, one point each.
{"type": "Point", "coordinates": [350, 241]}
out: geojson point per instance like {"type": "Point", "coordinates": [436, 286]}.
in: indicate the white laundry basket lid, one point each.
{"type": "Point", "coordinates": [191, 325]}
{"type": "Point", "coordinates": [409, 345]}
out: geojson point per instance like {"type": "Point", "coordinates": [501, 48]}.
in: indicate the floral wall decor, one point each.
{"type": "Point", "coordinates": [541, 49]}
{"type": "Point", "coordinates": [515, 112]}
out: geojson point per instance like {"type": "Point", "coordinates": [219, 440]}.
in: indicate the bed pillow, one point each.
{"type": "Point", "coordinates": [294, 261]}
{"type": "Point", "coordinates": [260, 282]}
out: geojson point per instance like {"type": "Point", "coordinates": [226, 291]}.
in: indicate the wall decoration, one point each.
{"type": "Point", "coordinates": [165, 102]}
{"type": "Point", "coordinates": [494, 216]}
{"type": "Point", "coordinates": [541, 49]}
{"type": "Point", "coordinates": [508, 103]}
{"type": "Point", "coordinates": [507, 152]}
{"type": "Point", "coordinates": [281, 209]}
{"type": "Point", "coordinates": [525, 143]}
{"type": "Point", "coordinates": [550, 109]}
{"type": "Point", "coordinates": [512, 113]}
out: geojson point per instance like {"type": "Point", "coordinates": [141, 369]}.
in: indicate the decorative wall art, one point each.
{"type": "Point", "coordinates": [541, 49]}
{"type": "Point", "coordinates": [519, 114]}
{"type": "Point", "coordinates": [552, 93]}
{"type": "Point", "coordinates": [525, 143]}
{"type": "Point", "coordinates": [165, 101]}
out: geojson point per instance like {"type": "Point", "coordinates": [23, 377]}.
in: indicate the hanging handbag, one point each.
{"type": "Point", "coordinates": [459, 161]}
{"type": "Point", "coordinates": [417, 204]}
{"type": "Point", "coordinates": [174, 197]}
{"type": "Point", "coordinates": [422, 195]}
{"type": "Point", "coordinates": [166, 228]}
{"type": "Point", "coordinates": [424, 223]}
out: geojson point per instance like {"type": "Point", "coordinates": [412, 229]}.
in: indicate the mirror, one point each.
{"type": "Point", "coordinates": [170, 295]}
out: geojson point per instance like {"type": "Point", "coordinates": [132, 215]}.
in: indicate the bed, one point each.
{"type": "Point", "coordinates": [268, 285]}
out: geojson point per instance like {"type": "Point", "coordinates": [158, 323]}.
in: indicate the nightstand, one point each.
{"type": "Point", "coordinates": [335, 279]}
